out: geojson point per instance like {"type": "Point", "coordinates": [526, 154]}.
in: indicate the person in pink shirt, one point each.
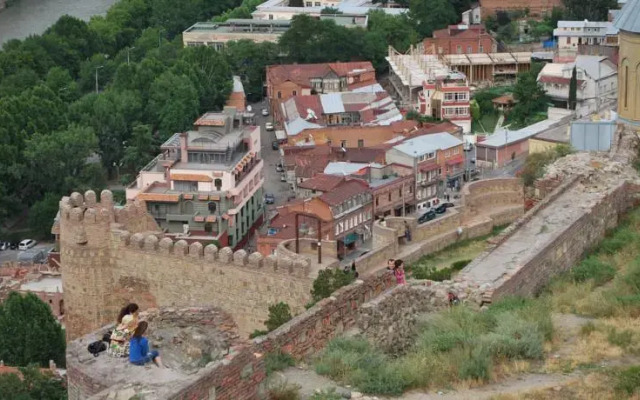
{"type": "Point", "coordinates": [398, 272]}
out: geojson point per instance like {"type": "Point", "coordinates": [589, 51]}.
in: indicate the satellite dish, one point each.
{"type": "Point", "coordinates": [249, 108]}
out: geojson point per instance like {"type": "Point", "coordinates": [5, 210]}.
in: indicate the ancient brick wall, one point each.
{"type": "Point", "coordinates": [483, 197]}
{"type": "Point", "coordinates": [105, 265]}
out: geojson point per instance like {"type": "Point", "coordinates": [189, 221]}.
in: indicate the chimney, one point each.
{"type": "Point", "coordinates": [183, 147]}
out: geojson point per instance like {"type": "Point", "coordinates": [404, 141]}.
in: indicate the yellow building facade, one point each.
{"type": "Point", "coordinates": [628, 22]}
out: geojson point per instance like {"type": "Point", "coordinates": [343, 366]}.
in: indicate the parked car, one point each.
{"type": "Point", "coordinates": [279, 168]}
{"type": "Point", "coordinates": [4, 246]}
{"type": "Point", "coordinates": [13, 246]}
{"type": "Point", "coordinates": [448, 205]}
{"type": "Point", "coordinates": [269, 198]}
{"type": "Point", "coordinates": [26, 244]}
{"type": "Point", "coordinates": [265, 112]}
{"type": "Point", "coordinates": [268, 126]}
{"type": "Point", "coordinates": [467, 146]}
{"type": "Point", "coordinates": [275, 145]}
{"type": "Point", "coordinates": [441, 209]}
{"type": "Point", "coordinates": [427, 216]}
{"type": "Point", "coordinates": [283, 178]}
{"type": "Point", "coordinates": [32, 256]}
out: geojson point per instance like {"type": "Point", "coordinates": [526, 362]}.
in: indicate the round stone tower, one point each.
{"type": "Point", "coordinates": [628, 22]}
{"type": "Point", "coordinates": [84, 254]}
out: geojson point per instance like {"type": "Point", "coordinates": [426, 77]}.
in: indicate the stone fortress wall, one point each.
{"type": "Point", "coordinates": [111, 256]}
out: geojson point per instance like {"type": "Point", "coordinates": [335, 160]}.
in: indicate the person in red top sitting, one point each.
{"type": "Point", "coordinates": [398, 272]}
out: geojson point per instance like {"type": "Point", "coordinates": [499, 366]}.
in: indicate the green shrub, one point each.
{"type": "Point", "coordinates": [459, 265]}
{"type": "Point", "coordinates": [278, 314]}
{"type": "Point", "coordinates": [593, 268]}
{"type": "Point", "coordinates": [617, 240]}
{"type": "Point", "coordinates": [328, 281]}
{"type": "Point", "coordinates": [621, 339]}
{"type": "Point", "coordinates": [277, 361]}
{"type": "Point", "coordinates": [257, 333]}
{"type": "Point", "coordinates": [431, 273]}
{"type": "Point", "coordinates": [514, 338]}
{"type": "Point", "coordinates": [328, 394]}
{"type": "Point", "coordinates": [476, 365]}
{"type": "Point", "coordinates": [628, 379]}
{"type": "Point", "coordinates": [282, 390]}
{"type": "Point", "coordinates": [587, 329]}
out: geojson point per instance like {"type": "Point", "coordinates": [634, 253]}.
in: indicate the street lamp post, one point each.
{"type": "Point", "coordinates": [128, 50]}
{"type": "Point", "coordinates": [97, 86]}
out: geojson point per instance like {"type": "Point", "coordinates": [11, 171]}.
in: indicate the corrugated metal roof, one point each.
{"type": "Point", "coordinates": [298, 125]}
{"type": "Point", "coordinates": [346, 168]}
{"type": "Point", "coordinates": [629, 17]}
{"type": "Point", "coordinates": [505, 137]}
{"type": "Point", "coordinates": [332, 103]}
{"type": "Point", "coordinates": [428, 144]}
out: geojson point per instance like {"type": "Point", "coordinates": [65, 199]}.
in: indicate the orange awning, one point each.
{"type": "Point", "coordinates": [187, 196]}
{"type": "Point", "coordinates": [198, 218]}
{"type": "Point", "coordinates": [191, 177]}
{"type": "Point", "coordinates": [211, 218]}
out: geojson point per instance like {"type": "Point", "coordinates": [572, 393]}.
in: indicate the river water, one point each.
{"type": "Point", "coordinates": [27, 17]}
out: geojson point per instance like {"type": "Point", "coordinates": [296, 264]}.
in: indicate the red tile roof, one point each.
{"type": "Point", "coordinates": [302, 73]}
{"type": "Point", "coordinates": [344, 191]}
{"type": "Point", "coordinates": [322, 182]}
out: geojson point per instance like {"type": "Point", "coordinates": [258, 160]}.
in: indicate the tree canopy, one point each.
{"type": "Point", "coordinates": [31, 384]}
{"type": "Point", "coordinates": [29, 333]}
{"type": "Point", "coordinates": [592, 10]}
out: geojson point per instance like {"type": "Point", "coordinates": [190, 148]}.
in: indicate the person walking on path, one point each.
{"type": "Point", "coordinates": [407, 232]}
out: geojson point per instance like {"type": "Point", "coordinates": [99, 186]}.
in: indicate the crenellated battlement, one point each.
{"type": "Point", "coordinates": [156, 244]}
{"type": "Point", "coordinates": [111, 255]}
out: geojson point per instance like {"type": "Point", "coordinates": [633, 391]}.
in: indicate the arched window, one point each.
{"type": "Point", "coordinates": [218, 184]}
{"type": "Point", "coordinates": [187, 207]}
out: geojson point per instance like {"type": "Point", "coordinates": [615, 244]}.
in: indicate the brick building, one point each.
{"type": "Point", "coordinates": [438, 162]}
{"type": "Point", "coordinates": [286, 81]}
{"type": "Point", "coordinates": [537, 8]}
{"type": "Point", "coordinates": [345, 212]}
{"type": "Point", "coordinates": [447, 97]}
{"type": "Point", "coordinates": [48, 289]}
{"type": "Point", "coordinates": [392, 187]}
{"type": "Point", "coordinates": [460, 39]}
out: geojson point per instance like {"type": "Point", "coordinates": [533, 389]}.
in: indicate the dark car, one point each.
{"type": "Point", "coordinates": [428, 216]}
{"type": "Point", "coordinates": [269, 198]}
{"type": "Point", "coordinates": [13, 246]}
{"type": "Point", "coordinates": [448, 205]}
{"type": "Point", "coordinates": [441, 209]}
{"type": "Point", "coordinates": [275, 145]}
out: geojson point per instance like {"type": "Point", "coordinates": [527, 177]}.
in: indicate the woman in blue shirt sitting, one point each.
{"type": "Point", "coordinates": [139, 353]}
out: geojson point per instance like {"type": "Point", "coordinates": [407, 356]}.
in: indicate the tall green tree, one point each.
{"type": "Point", "coordinates": [41, 215]}
{"type": "Point", "coordinates": [592, 10]}
{"type": "Point", "coordinates": [430, 15]}
{"type": "Point", "coordinates": [173, 102]}
{"type": "Point", "coordinates": [530, 96]}
{"type": "Point", "coordinates": [397, 31]}
{"type": "Point", "coordinates": [31, 384]}
{"type": "Point", "coordinates": [29, 333]}
{"type": "Point", "coordinates": [573, 89]}
{"type": "Point", "coordinates": [249, 60]}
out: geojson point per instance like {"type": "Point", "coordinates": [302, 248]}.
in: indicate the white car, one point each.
{"type": "Point", "coordinates": [265, 112]}
{"type": "Point", "coordinates": [26, 244]}
{"type": "Point", "coordinates": [268, 126]}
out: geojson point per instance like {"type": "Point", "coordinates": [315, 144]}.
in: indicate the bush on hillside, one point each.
{"type": "Point", "coordinates": [593, 268]}
{"type": "Point", "coordinates": [278, 314]}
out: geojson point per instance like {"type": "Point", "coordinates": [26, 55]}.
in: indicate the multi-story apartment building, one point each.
{"type": "Point", "coordinates": [438, 162]}
{"type": "Point", "coordinates": [338, 109]}
{"type": "Point", "coordinates": [460, 39]}
{"type": "Point", "coordinates": [571, 34]}
{"type": "Point", "coordinates": [217, 34]}
{"type": "Point", "coordinates": [287, 81]}
{"type": "Point", "coordinates": [207, 182]}
{"type": "Point", "coordinates": [447, 97]}
{"type": "Point", "coordinates": [597, 82]}
{"type": "Point", "coordinates": [345, 213]}
{"type": "Point", "coordinates": [280, 9]}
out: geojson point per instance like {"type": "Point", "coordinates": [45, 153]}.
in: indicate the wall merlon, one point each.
{"type": "Point", "coordinates": [271, 262]}
{"type": "Point", "coordinates": [77, 200]}
{"type": "Point", "coordinates": [181, 248]}
{"type": "Point", "coordinates": [165, 246]}
{"type": "Point", "coordinates": [211, 252]}
{"type": "Point", "coordinates": [240, 258]}
{"type": "Point", "coordinates": [151, 243]}
{"type": "Point", "coordinates": [225, 255]}
{"type": "Point", "coordinates": [196, 250]}
{"type": "Point", "coordinates": [106, 198]}
{"type": "Point", "coordinates": [90, 198]}
{"type": "Point", "coordinates": [255, 260]}
{"type": "Point", "coordinates": [136, 240]}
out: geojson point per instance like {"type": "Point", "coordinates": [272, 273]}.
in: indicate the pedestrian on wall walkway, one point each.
{"type": "Point", "coordinates": [407, 232]}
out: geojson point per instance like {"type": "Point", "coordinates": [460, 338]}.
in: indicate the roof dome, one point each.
{"type": "Point", "coordinates": [628, 18]}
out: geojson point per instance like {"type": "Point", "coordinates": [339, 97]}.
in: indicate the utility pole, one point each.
{"type": "Point", "coordinates": [97, 86]}
{"type": "Point", "coordinates": [128, 50]}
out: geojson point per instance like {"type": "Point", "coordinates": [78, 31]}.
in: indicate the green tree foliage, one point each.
{"type": "Point", "coordinates": [475, 109]}
{"type": "Point", "coordinates": [41, 214]}
{"type": "Point", "coordinates": [573, 89]}
{"type": "Point", "coordinates": [430, 15]}
{"type": "Point", "coordinates": [330, 11]}
{"type": "Point", "coordinates": [173, 102]}
{"type": "Point", "coordinates": [249, 60]}
{"type": "Point", "coordinates": [242, 11]}
{"type": "Point", "coordinates": [592, 10]}
{"type": "Point", "coordinates": [140, 149]}
{"type": "Point", "coordinates": [279, 314]}
{"type": "Point", "coordinates": [397, 30]}
{"type": "Point", "coordinates": [29, 333]}
{"type": "Point", "coordinates": [328, 281]}
{"type": "Point", "coordinates": [31, 385]}
{"type": "Point", "coordinates": [536, 163]}
{"type": "Point", "coordinates": [530, 96]}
